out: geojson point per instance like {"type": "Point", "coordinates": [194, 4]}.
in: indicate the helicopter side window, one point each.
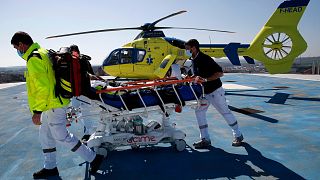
{"type": "Point", "coordinates": [126, 56]}
{"type": "Point", "coordinates": [164, 63]}
{"type": "Point", "coordinates": [140, 55]}
{"type": "Point", "coordinates": [114, 58]}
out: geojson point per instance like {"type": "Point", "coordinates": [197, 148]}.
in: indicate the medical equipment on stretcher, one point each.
{"type": "Point", "coordinates": [125, 107]}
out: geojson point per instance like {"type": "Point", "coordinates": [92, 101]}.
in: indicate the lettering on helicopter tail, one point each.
{"type": "Point", "coordinates": [138, 139]}
{"type": "Point", "coordinates": [291, 10]}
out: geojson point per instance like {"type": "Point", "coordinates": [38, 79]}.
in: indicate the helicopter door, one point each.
{"type": "Point", "coordinates": [126, 61]}
{"type": "Point", "coordinates": [144, 66]}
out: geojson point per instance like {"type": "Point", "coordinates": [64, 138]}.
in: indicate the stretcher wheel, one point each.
{"type": "Point", "coordinates": [180, 144]}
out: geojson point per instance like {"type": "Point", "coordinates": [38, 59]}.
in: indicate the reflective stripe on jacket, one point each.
{"type": "Point", "coordinates": [41, 80]}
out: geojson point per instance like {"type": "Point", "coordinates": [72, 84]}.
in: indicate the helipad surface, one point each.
{"type": "Point", "coordinates": [278, 116]}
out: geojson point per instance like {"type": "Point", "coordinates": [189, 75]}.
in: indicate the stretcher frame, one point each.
{"type": "Point", "coordinates": [108, 136]}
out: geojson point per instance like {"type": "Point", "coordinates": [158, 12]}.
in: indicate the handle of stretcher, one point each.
{"type": "Point", "coordinates": [149, 83]}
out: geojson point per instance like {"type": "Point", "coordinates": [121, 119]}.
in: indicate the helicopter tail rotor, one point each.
{"type": "Point", "coordinates": [279, 42]}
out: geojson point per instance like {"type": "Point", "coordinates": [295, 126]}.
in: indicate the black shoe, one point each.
{"type": "Point", "coordinates": [202, 144]}
{"type": "Point", "coordinates": [237, 141]}
{"type": "Point", "coordinates": [95, 164]}
{"type": "Point", "coordinates": [45, 173]}
{"type": "Point", "coordinates": [85, 138]}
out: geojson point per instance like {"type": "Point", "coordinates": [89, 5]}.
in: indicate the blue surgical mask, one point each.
{"type": "Point", "coordinates": [20, 53]}
{"type": "Point", "coordinates": [188, 53]}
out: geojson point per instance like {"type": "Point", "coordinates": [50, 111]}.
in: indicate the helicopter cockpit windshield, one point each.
{"type": "Point", "coordinates": [124, 56]}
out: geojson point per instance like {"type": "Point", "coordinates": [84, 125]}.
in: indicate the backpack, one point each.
{"type": "Point", "coordinates": [71, 74]}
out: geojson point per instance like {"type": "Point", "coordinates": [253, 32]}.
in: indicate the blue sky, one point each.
{"type": "Point", "coordinates": [42, 18]}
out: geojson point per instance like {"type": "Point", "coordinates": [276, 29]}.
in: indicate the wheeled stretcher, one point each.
{"type": "Point", "coordinates": [124, 108]}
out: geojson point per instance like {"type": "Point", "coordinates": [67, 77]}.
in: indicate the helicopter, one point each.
{"type": "Point", "coordinates": [151, 54]}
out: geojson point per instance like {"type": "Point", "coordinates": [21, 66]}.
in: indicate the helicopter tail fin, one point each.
{"type": "Point", "coordinates": [279, 42]}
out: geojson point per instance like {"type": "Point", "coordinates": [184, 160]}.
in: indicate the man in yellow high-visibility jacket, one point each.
{"type": "Point", "coordinates": [47, 109]}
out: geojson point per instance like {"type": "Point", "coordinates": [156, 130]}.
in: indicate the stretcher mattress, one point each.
{"type": "Point", "coordinates": [150, 97]}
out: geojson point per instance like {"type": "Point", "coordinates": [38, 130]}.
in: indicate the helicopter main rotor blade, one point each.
{"type": "Point", "coordinates": [214, 30]}
{"type": "Point", "coordinates": [174, 14]}
{"type": "Point", "coordinates": [95, 31]}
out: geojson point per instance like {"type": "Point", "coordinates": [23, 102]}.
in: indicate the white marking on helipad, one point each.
{"type": "Point", "coordinates": [308, 77]}
{"type": "Point", "coordinates": [7, 85]}
{"type": "Point", "coordinates": [225, 86]}
{"type": "Point", "coordinates": [12, 137]}
{"type": "Point", "coordinates": [236, 86]}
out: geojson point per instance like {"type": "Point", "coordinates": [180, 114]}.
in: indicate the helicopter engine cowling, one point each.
{"type": "Point", "coordinates": [162, 70]}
